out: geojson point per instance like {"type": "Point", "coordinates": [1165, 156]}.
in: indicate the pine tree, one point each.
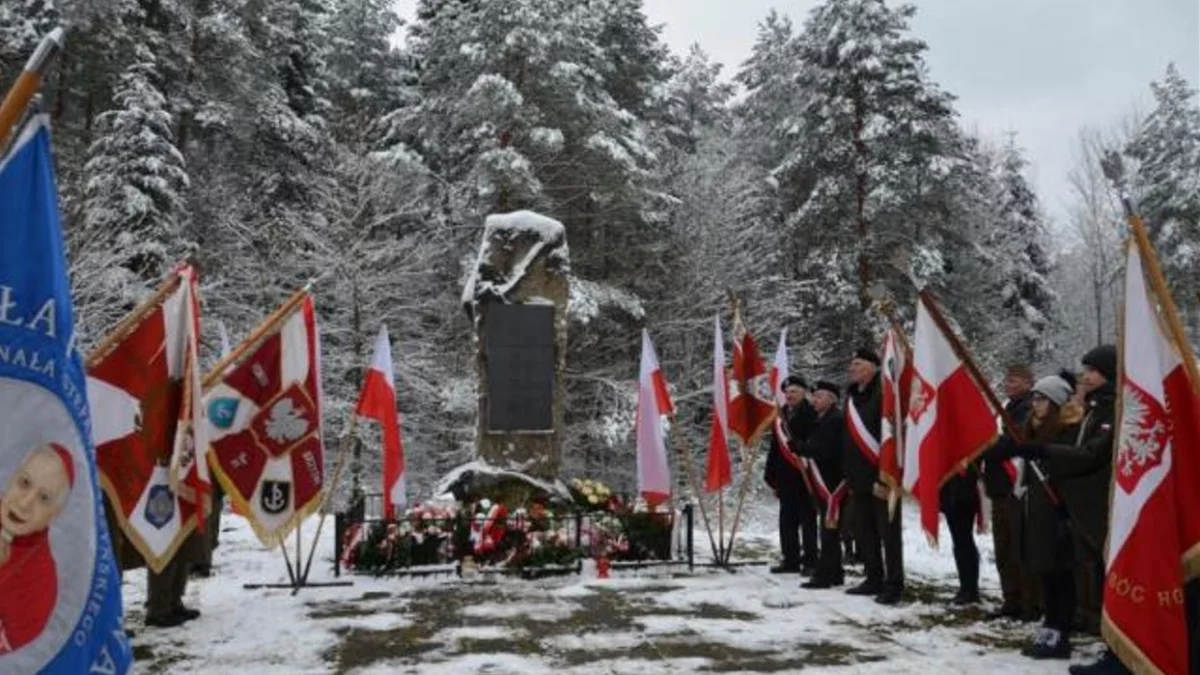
{"type": "Point", "coordinates": [23, 24]}
{"type": "Point", "coordinates": [874, 138]}
{"type": "Point", "coordinates": [134, 199]}
{"type": "Point", "coordinates": [1019, 246]}
{"type": "Point", "coordinates": [1167, 150]}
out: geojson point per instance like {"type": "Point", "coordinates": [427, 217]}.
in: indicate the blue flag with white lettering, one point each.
{"type": "Point", "coordinates": [60, 593]}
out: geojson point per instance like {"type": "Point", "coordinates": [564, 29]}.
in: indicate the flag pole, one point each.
{"type": "Point", "coordinates": [28, 83]}
{"type": "Point", "coordinates": [1158, 283]}
{"type": "Point", "coordinates": [132, 320]}
{"type": "Point", "coordinates": [694, 479]}
{"type": "Point", "coordinates": [274, 319]}
{"type": "Point", "coordinates": [339, 464]}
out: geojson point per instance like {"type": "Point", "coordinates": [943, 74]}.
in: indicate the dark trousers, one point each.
{"type": "Point", "coordinates": [829, 566]}
{"type": "Point", "coordinates": [879, 543]}
{"type": "Point", "coordinates": [1059, 592]}
{"type": "Point", "coordinates": [797, 527]}
{"type": "Point", "coordinates": [164, 595]}
{"type": "Point", "coordinates": [960, 517]}
{"type": "Point", "coordinates": [1016, 590]}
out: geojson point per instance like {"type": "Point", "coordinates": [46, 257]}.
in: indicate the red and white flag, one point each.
{"type": "Point", "coordinates": [147, 418]}
{"type": "Point", "coordinates": [950, 419]}
{"type": "Point", "coordinates": [654, 401]}
{"type": "Point", "coordinates": [719, 470]}
{"type": "Point", "coordinates": [264, 420]}
{"type": "Point", "coordinates": [780, 369]}
{"type": "Point", "coordinates": [752, 405]}
{"type": "Point", "coordinates": [897, 383]}
{"type": "Point", "coordinates": [378, 402]}
{"type": "Point", "coordinates": [1155, 510]}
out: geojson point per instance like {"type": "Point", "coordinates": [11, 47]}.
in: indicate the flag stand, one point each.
{"type": "Point", "coordinates": [295, 580]}
{"type": "Point", "coordinates": [694, 479]}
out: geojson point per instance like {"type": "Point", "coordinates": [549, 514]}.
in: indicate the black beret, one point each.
{"type": "Point", "coordinates": [793, 381]}
{"type": "Point", "coordinates": [867, 355]}
{"type": "Point", "coordinates": [830, 387]}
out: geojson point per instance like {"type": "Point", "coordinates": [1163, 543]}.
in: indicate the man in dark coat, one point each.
{"type": "Point", "coordinates": [878, 535]}
{"type": "Point", "coordinates": [797, 514]}
{"type": "Point", "coordinates": [823, 448]}
{"type": "Point", "coordinates": [959, 502]}
{"type": "Point", "coordinates": [1017, 587]}
{"type": "Point", "coordinates": [1085, 472]}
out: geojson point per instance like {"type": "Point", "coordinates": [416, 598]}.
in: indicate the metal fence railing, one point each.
{"type": "Point", "coordinates": [418, 543]}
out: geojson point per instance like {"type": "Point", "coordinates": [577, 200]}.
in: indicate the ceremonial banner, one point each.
{"type": "Point", "coordinates": [1154, 514]}
{"type": "Point", "coordinates": [950, 420]}
{"type": "Point", "coordinates": [780, 369]}
{"type": "Point", "coordinates": [60, 594]}
{"type": "Point", "coordinates": [752, 404]}
{"type": "Point", "coordinates": [897, 383]}
{"type": "Point", "coordinates": [654, 401]}
{"type": "Point", "coordinates": [144, 391]}
{"type": "Point", "coordinates": [264, 419]}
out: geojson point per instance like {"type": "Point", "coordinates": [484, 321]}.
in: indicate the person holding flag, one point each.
{"type": "Point", "coordinates": [1019, 590]}
{"type": "Point", "coordinates": [878, 535]}
{"type": "Point", "coordinates": [784, 475]}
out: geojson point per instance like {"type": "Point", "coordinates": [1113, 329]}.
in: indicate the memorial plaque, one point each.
{"type": "Point", "coordinates": [519, 340]}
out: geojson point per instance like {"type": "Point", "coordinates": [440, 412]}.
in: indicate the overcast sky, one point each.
{"type": "Point", "coordinates": [1040, 68]}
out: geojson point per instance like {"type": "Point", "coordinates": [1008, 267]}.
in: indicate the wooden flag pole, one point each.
{"type": "Point", "coordinates": [125, 326]}
{"type": "Point", "coordinates": [1158, 283]}
{"type": "Point", "coordinates": [217, 372]}
{"type": "Point", "coordinates": [694, 479]}
{"type": "Point", "coordinates": [339, 464]}
{"type": "Point", "coordinates": [28, 83]}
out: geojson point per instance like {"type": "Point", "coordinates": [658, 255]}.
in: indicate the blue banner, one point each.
{"type": "Point", "coordinates": [60, 591]}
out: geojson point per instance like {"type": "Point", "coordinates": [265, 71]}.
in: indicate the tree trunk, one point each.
{"type": "Point", "coordinates": [860, 195]}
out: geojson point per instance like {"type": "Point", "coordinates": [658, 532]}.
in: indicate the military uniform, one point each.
{"type": "Point", "coordinates": [797, 514]}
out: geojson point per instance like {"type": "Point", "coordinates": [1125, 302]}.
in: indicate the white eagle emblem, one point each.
{"type": "Point", "coordinates": [286, 423]}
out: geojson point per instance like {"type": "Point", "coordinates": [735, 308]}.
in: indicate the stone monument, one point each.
{"type": "Point", "coordinates": [516, 297]}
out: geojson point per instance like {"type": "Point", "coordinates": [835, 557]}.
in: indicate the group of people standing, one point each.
{"type": "Point", "coordinates": [1048, 486]}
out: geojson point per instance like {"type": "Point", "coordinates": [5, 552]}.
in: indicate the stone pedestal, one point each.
{"type": "Point", "coordinates": [517, 299]}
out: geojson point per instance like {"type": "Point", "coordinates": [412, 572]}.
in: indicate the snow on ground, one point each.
{"type": "Point", "coordinates": [658, 622]}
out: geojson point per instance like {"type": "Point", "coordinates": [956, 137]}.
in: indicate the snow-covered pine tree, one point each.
{"type": "Point", "coordinates": [1018, 243]}
{"type": "Point", "coordinates": [23, 23]}
{"type": "Point", "coordinates": [134, 208]}
{"type": "Point", "coordinates": [1167, 150]}
{"type": "Point", "coordinates": [874, 138]}
{"type": "Point", "coordinates": [368, 77]}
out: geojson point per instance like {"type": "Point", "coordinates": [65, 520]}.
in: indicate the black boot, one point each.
{"type": "Point", "coordinates": [1049, 644]}
{"type": "Point", "coordinates": [1108, 664]}
{"type": "Point", "coordinates": [868, 587]}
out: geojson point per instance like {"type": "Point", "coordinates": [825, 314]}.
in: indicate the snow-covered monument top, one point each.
{"type": "Point", "coordinates": [517, 295]}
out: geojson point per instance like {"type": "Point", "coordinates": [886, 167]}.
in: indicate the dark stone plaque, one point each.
{"type": "Point", "coordinates": [519, 340]}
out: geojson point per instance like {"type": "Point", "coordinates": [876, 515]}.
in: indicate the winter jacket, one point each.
{"type": "Point", "coordinates": [861, 473]}
{"type": "Point", "coordinates": [824, 446]}
{"type": "Point", "coordinates": [1083, 469]}
{"type": "Point", "coordinates": [995, 480]}
{"type": "Point", "coordinates": [1042, 528]}
{"type": "Point", "coordinates": [779, 472]}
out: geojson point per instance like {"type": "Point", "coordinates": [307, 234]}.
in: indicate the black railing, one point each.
{"type": "Point", "coordinates": [423, 545]}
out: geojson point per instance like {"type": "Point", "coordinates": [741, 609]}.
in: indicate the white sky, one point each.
{"type": "Point", "coordinates": [1040, 68]}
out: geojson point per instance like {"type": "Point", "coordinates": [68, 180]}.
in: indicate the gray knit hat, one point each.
{"type": "Point", "coordinates": [1054, 388]}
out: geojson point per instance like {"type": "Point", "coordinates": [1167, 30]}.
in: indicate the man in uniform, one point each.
{"type": "Point", "coordinates": [823, 448]}
{"type": "Point", "coordinates": [797, 514]}
{"type": "Point", "coordinates": [878, 535]}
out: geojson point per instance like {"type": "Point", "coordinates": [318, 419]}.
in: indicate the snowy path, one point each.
{"type": "Point", "coordinates": [634, 623]}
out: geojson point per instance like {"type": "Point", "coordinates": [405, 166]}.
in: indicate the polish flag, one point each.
{"type": "Point", "coordinates": [781, 368]}
{"type": "Point", "coordinates": [378, 402]}
{"type": "Point", "coordinates": [950, 420]}
{"type": "Point", "coordinates": [897, 383]}
{"type": "Point", "coordinates": [1155, 508]}
{"type": "Point", "coordinates": [720, 472]}
{"type": "Point", "coordinates": [751, 403]}
{"type": "Point", "coordinates": [654, 475]}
